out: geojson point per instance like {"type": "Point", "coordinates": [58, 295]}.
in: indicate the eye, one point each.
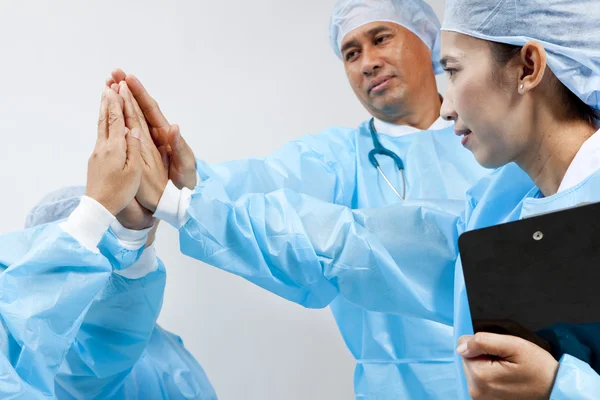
{"type": "Point", "coordinates": [450, 72]}
{"type": "Point", "coordinates": [351, 55]}
{"type": "Point", "coordinates": [381, 39]}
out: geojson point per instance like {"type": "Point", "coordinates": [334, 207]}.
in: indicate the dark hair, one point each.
{"type": "Point", "coordinates": [503, 53]}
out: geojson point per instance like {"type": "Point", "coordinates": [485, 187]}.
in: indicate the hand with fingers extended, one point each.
{"type": "Point", "coordinates": [134, 216]}
{"type": "Point", "coordinates": [114, 168]}
{"type": "Point", "coordinates": [507, 367]}
{"type": "Point", "coordinates": [182, 163]}
{"type": "Point", "coordinates": [154, 164]}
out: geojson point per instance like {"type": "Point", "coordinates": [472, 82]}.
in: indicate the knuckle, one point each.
{"type": "Point", "coordinates": [113, 118]}
{"type": "Point", "coordinates": [478, 376]}
{"type": "Point", "coordinates": [481, 378]}
{"type": "Point", "coordinates": [152, 105]}
{"type": "Point", "coordinates": [479, 390]}
{"type": "Point", "coordinates": [96, 154]}
{"type": "Point", "coordinates": [480, 337]}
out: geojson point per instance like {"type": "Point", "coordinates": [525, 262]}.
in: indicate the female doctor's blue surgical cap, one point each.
{"type": "Point", "coordinates": [569, 30]}
{"type": "Point", "coordinates": [414, 15]}
{"type": "Point", "coordinates": [55, 206]}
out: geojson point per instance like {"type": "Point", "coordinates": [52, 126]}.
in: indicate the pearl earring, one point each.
{"type": "Point", "coordinates": [522, 86]}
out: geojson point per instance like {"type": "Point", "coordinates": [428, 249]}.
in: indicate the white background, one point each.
{"type": "Point", "coordinates": [241, 78]}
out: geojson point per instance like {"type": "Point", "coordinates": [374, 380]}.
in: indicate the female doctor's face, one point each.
{"type": "Point", "coordinates": [483, 100]}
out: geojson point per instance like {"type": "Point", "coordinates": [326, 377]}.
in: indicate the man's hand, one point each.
{"type": "Point", "coordinates": [114, 172]}
{"type": "Point", "coordinates": [154, 169]}
{"type": "Point", "coordinates": [182, 163]}
{"type": "Point", "coordinates": [502, 367]}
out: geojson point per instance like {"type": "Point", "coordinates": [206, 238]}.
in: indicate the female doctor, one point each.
{"type": "Point", "coordinates": [525, 89]}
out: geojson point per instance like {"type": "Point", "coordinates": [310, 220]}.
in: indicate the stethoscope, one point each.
{"type": "Point", "coordinates": [378, 149]}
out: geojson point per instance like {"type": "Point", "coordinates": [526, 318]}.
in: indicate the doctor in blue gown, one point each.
{"type": "Point", "coordinates": [293, 222]}
{"type": "Point", "coordinates": [540, 76]}
{"type": "Point", "coordinates": [540, 81]}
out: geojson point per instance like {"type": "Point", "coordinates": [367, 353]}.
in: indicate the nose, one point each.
{"type": "Point", "coordinates": [371, 62]}
{"type": "Point", "coordinates": [447, 110]}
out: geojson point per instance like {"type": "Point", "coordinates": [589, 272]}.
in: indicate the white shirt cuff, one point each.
{"type": "Point", "coordinates": [88, 223]}
{"type": "Point", "coordinates": [173, 205]}
{"type": "Point", "coordinates": [146, 264]}
{"type": "Point", "coordinates": [128, 238]}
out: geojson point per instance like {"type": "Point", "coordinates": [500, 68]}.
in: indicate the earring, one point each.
{"type": "Point", "coordinates": [522, 86]}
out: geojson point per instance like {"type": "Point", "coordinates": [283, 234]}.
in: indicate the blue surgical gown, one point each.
{"type": "Point", "coordinates": [111, 349]}
{"type": "Point", "coordinates": [509, 195]}
{"type": "Point", "coordinates": [48, 282]}
{"type": "Point", "coordinates": [166, 371]}
{"type": "Point", "coordinates": [315, 223]}
{"type": "Point", "coordinates": [115, 330]}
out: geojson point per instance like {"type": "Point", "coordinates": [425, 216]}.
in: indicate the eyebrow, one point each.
{"type": "Point", "coordinates": [446, 59]}
{"type": "Point", "coordinates": [347, 45]}
{"type": "Point", "coordinates": [371, 32]}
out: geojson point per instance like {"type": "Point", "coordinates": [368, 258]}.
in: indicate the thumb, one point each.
{"type": "Point", "coordinates": [174, 138]}
{"type": "Point", "coordinates": [181, 152]}
{"type": "Point", "coordinates": [134, 146]}
{"type": "Point", "coordinates": [178, 144]}
{"type": "Point", "coordinates": [487, 344]}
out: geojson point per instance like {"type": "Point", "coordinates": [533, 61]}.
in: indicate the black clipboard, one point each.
{"type": "Point", "coordinates": [539, 272]}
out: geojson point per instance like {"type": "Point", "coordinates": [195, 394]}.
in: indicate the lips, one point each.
{"type": "Point", "coordinates": [378, 83]}
{"type": "Point", "coordinates": [465, 133]}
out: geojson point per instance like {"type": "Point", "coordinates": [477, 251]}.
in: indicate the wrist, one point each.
{"type": "Point", "coordinates": [88, 223]}
{"type": "Point", "coordinates": [152, 234]}
{"type": "Point", "coordinates": [146, 223]}
{"type": "Point", "coordinates": [104, 202]}
{"type": "Point", "coordinates": [157, 194]}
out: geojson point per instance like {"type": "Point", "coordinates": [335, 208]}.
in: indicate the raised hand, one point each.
{"type": "Point", "coordinates": [154, 164]}
{"type": "Point", "coordinates": [114, 172]}
{"type": "Point", "coordinates": [182, 163]}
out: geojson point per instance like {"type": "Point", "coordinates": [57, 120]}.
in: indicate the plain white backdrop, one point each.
{"type": "Point", "coordinates": [241, 78]}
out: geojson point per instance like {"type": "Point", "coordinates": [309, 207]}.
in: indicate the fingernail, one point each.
{"type": "Point", "coordinates": [136, 133]}
{"type": "Point", "coordinates": [462, 349]}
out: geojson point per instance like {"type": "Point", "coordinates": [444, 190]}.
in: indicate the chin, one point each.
{"type": "Point", "coordinates": [487, 161]}
{"type": "Point", "coordinates": [386, 106]}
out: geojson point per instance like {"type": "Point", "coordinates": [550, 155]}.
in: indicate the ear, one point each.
{"type": "Point", "coordinates": [532, 66]}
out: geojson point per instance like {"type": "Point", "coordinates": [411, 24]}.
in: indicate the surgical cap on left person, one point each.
{"type": "Point", "coordinates": [55, 206]}
{"type": "Point", "coordinates": [569, 30]}
{"type": "Point", "coordinates": [414, 15]}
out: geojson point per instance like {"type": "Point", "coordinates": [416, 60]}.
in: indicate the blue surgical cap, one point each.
{"type": "Point", "coordinates": [55, 206]}
{"type": "Point", "coordinates": [415, 15]}
{"type": "Point", "coordinates": [569, 30]}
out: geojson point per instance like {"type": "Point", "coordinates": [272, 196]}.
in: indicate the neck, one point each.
{"type": "Point", "coordinates": [420, 111]}
{"type": "Point", "coordinates": [553, 151]}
